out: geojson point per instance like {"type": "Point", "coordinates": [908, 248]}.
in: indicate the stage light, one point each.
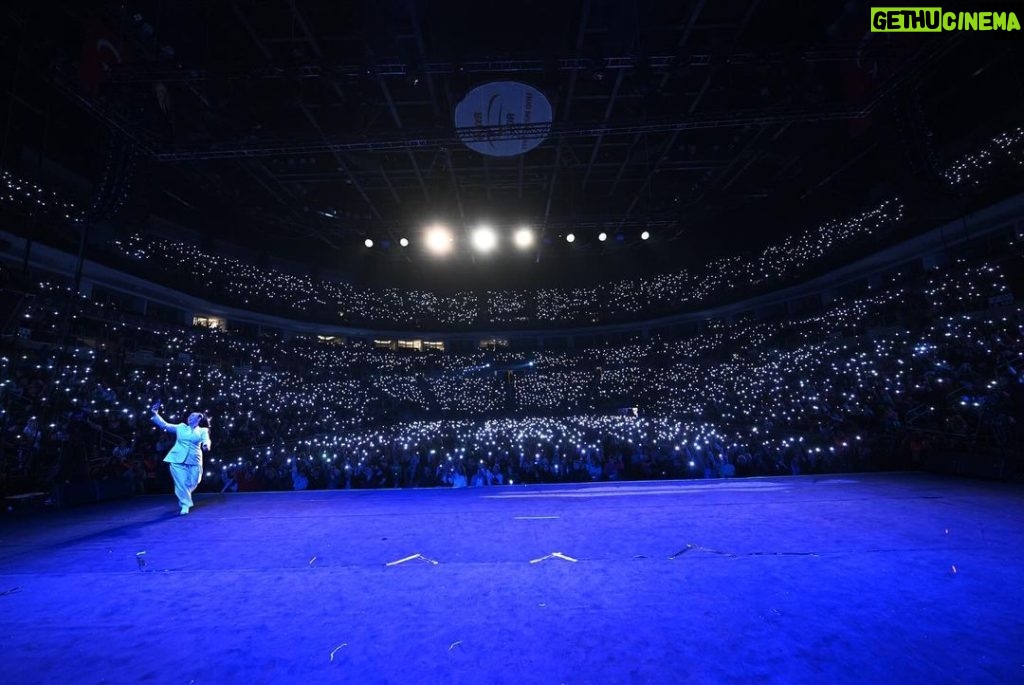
{"type": "Point", "coordinates": [485, 239]}
{"type": "Point", "coordinates": [368, 242]}
{"type": "Point", "coordinates": [602, 236]}
{"type": "Point", "coordinates": [404, 242]}
{"type": "Point", "coordinates": [571, 238]}
{"type": "Point", "coordinates": [645, 235]}
{"type": "Point", "coordinates": [439, 240]}
{"type": "Point", "coordinates": [523, 238]}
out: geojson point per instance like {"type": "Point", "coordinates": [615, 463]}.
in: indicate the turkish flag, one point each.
{"type": "Point", "coordinates": [859, 81]}
{"type": "Point", "coordinates": [103, 50]}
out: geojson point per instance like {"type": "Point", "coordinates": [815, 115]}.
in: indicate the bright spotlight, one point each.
{"type": "Point", "coordinates": [368, 242]}
{"type": "Point", "coordinates": [404, 242]}
{"type": "Point", "coordinates": [602, 236]}
{"type": "Point", "coordinates": [645, 235]}
{"type": "Point", "coordinates": [571, 238]}
{"type": "Point", "coordinates": [439, 240]}
{"type": "Point", "coordinates": [485, 239]}
{"type": "Point", "coordinates": [523, 238]}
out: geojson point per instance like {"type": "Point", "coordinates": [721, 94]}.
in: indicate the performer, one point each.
{"type": "Point", "coordinates": [186, 456]}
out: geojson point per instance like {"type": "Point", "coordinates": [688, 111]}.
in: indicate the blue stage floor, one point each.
{"type": "Point", "coordinates": [903, 578]}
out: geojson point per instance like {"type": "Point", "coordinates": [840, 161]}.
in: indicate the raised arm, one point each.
{"type": "Point", "coordinates": [159, 421]}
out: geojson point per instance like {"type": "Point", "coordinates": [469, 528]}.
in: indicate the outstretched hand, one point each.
{"type": "Point", "coordinates": [155, 407]}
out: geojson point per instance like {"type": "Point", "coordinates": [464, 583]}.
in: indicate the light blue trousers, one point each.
{"type": "Point", "coordinates": [186, 479]}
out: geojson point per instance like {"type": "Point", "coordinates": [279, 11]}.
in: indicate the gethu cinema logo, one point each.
{"type": "Point", "coordinates": [933, 19]}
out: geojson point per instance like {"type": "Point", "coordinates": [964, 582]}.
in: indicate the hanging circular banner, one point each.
{"type": "Point", "coordinates": [486, 118]}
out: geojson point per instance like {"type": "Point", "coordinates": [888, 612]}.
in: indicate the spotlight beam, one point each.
{"type": "Point", "coordinates": [484, 239]}
{"type": "Point", "coordinates": [523, 238]}
{"type": "Point", "coordinates": [439, 240]}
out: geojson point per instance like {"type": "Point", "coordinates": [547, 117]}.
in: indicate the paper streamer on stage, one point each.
{"type": "Point", "coordinates": [410, 558]}
{"type": "Point", "coordinates": [553, 555]}
{"type": "Point", "coordinates": [697, 548]}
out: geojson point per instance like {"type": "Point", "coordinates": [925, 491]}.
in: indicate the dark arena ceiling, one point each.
{"type": "Point", "coordinates": [298, 129]}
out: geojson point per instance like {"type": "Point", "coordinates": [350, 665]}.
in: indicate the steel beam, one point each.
{"type": "Point", "coordinates": [429, 75]}
{"type": "Point", "coordinates": [607, 116]}
{"type": "Point", "coordinates": [580, 35]}
{"type": "Point", "coordinates": [398, 122]}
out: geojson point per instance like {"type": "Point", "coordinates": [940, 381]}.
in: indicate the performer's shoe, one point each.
{"type": "Point", "coordinates": [184, 510]}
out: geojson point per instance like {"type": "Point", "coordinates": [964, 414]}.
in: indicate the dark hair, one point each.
{"type": "Point", "coordinates": [204, 420]}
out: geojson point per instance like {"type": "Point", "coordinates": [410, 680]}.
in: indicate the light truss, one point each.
{"type": "Point", "coordinates": [441, 139]}
{"type": "Point", "coordinates": [395, 69]}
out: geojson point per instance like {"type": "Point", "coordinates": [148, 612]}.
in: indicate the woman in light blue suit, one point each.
{"type": "Point", "coordinates": [186, 456]}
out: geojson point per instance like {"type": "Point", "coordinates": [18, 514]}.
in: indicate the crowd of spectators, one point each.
{"type": "Point", "coordinates": [874, 379]}
{"type": "Point", "coordinates": [237, 282]}
{"type": "Point", "coordinates": [1003, 152]}
{"type": "Point", "coordinates": [871, 380]}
